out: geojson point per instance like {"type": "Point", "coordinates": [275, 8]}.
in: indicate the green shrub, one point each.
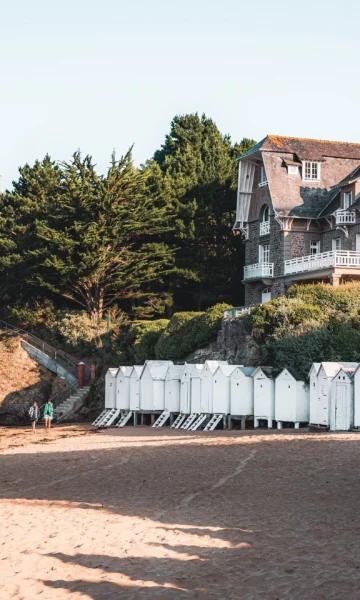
{"type": "Point", "coordinates": [313, 323]}
{"type": "Point", "coordinates": [79, 332]}
{"type": "Point", "coordinates": [137, 342]}
{"type": "Point", "coordinates": [188, 331]}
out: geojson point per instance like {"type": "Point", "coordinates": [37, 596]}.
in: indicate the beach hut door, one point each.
{"type": "Point", "coordinates": [341, 407]}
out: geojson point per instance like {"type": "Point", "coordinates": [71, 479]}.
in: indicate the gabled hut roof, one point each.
{"type": "Point", "coordinates": [112, 371]}
{"type": "Point", "coordinates": [175, 371]}
{"type": "Point", "coordinates": [332, 368]}
{"type": "Point", "coordinates": [226, 369]}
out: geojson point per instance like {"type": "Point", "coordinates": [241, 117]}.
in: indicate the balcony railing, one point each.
{"type": "Point", "coordinates": [323, 260]}
{"type": "Point", "coordinates": [264, 227]}
{"type": "Point", "coordinates": [345, 217]}
{"type": "Point", "coordinates": [259, 270]}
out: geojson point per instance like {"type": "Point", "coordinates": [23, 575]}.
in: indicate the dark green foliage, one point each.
{"type": "Point", "coordinates": [144, 240]}
{"type": "Point", "coordinates": [188, 331]}
{"type": "Point", "coordinates": [137, 343]}
{"type": "Point", "coordinates": [312, 324]}
{"type": "Point", "coordinates": [196, 168]}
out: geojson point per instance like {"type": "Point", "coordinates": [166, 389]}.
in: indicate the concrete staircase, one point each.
{"type": "Point", "coordinates": [66, 409]}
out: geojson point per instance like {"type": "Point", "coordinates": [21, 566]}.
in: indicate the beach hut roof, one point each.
{"type": "Point", "coordinates": [248, 371]}
{"type": "Point", "coordinates": [137, 370]}
{"type": "Point", "coordinates": [268, 371]}
{"type": "Point", "coordinates": [125, 370]}
{"type": "Point", "coordinates": [315, 366]}
{"type": "Point", "coordinates": [112, 371]}
{"type": "Point", "coordinates": [332, 368]}
{"type": "Point", "coordinates": [175, 371]}
{"type": "Point", "coordinates": [226, 369]}
{"type": "Point", "coordinates": [157, 369]}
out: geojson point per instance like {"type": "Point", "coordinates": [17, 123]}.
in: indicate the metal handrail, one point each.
{"type": "Point", "coordinates": [41, 345]}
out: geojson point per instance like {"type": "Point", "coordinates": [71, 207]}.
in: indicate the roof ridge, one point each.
{"type": "Point", "coordinates": [306, 139]}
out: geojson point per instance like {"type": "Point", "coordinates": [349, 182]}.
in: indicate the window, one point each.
{"type": "Point", "coordinates": [266, 214]}
{"type": "Point", "coordinates": [314, 246]}
{"type": "Point", "coordinates": [264, 253]}
{"type": "Point", "coordinates": [263, 179]}
{"type": "Point", "coordinates": [347, 200]}
{"type": "Point", "coordinates": [293, 170]}
{"type": "Point", "coordinates": [336, 244]}
{"type": "Point", "coordinates": [311, 170]}
{"type": "Point", "coordinates": [265, 221]}
{"type": "Point", "coordinates": [265, 295]}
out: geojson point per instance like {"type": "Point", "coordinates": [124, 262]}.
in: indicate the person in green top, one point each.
{"type": "Point", "coordinates": [48, 414]}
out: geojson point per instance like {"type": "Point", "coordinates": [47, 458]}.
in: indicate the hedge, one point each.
{"type": "Point", "coordinates": [188, 331]}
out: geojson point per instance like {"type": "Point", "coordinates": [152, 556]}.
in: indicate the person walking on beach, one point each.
{"type": "Point", "coordinates": [34, 414]}
{"type": "Point", "coordinates": [48, 414]}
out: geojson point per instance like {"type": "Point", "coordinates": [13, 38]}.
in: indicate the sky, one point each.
{"type": "Point", "coordinates": [102, 75]}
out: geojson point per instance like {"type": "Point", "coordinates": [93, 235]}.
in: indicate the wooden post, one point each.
{"type": "Point", "coordinates": [81, 374]}
{"type": "Point", "coordinates": [270, 423]}
{"type": "Point", "coordinates": [256, 423]}
{"type": "Point", "coordinates": [243, 422]}
{"type": "Point", "coordinates": [92, 372]}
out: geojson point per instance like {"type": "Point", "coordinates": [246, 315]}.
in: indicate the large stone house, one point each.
{"type": "Point", "coordinates": [298, 210]}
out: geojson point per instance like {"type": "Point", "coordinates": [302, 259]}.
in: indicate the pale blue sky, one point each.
{"type": "Point", "coordinates": [101, 75]}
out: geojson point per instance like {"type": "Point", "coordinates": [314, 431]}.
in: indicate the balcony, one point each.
{"type": "Point", "coordinates": [345, 217]}
{"type": "Point", "coordinates": [323, 260]}
{"type": "Point", "coordinates": [259, 271]}
{"type": "Point", "coordinates": [264, 228]}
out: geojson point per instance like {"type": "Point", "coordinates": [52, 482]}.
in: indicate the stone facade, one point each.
{"type": "Point", "coordinates": [301, 214]}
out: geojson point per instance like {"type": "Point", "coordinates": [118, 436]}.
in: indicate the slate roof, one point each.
{"type": "Point", "coordinates": [306, 148]}
{"type": "Point", "coordinates": [292, 196]}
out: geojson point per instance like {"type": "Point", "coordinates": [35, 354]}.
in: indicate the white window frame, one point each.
{"type": "Point", "coordinates": [336, 244]}
{"type": "Point", "coordinates": [264, 253]}
{"type": "Point", "coordinates": [346, 200]}
{"type": "Point", "coordinates": [314, 247]}
{"type": "Point", "coordinates": [357, 242]}
{"type": "Point", "coordinates": [311, 170]}
{"type": "Point", "coordinates": [263, 179]}
{"type": "Point", "coordinates": [293, 170]}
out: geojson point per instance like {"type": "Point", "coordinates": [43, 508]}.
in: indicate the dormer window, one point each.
{"type": "Point", "coordinates": [263, 179]}
{"type": "Point", "coordinates": [347, 200]}
{"type": "Point", "coordinates": [311, 170]}
{"type": "Point", "coordinates": [293, 170]}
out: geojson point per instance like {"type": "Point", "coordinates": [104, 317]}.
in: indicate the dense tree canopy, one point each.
{"type": "Point", "coordinates": [140, 239]}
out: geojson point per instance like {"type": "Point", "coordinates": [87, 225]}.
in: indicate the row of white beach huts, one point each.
{"type": "Point", "coordinates": [214, 394]}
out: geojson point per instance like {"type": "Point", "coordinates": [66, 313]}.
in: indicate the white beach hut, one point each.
{"type": "Point", "coordinates": [110, 388]}
{"type": "Point", "coordinates": [357, 397]}
{"type": "Point", "coordinates": [185, 386]}
{"type": "Point", "coordinates": [172, 388]}
{"type": "Point", "coordinates": [152, 385]}
{"type": "Point", "coordinates": [341, 413]}
{"type": "Point", "coordinates": [203, 402]}
{"type": "Point", "coordinates": [326, 373]}
{"type": "Point", "coordinates": [242, 393]}
{"type": "Point", "coordinates": [291, 400]}
{"type": "Point", "coordinates": [123, 388]}
{"type": "Point", "coordinates": [314, 408]}
{"type": "Point", "coordinates": [134, 380]}
{"type": "Point", "coordinates": [221, 383]}
{"type": "Point", "coordinates": [264, 396]}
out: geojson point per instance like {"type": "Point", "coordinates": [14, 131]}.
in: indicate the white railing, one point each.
{"type": "Point", "coordinates": [345, 217]}
{"type": "Point", "coordinates": [323, 260]}
{"type": "Point", "coordinates": [237, 311]}
{"type": "Point", "coordinates": [264, 227]}
{"type": "Point", "coordinates": [259, 270]}
{"type": "Point", "coordinates": [263, 183]}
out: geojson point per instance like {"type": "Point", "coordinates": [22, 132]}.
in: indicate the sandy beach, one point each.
{"type": "Point", "coordinates": [155, 514]}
